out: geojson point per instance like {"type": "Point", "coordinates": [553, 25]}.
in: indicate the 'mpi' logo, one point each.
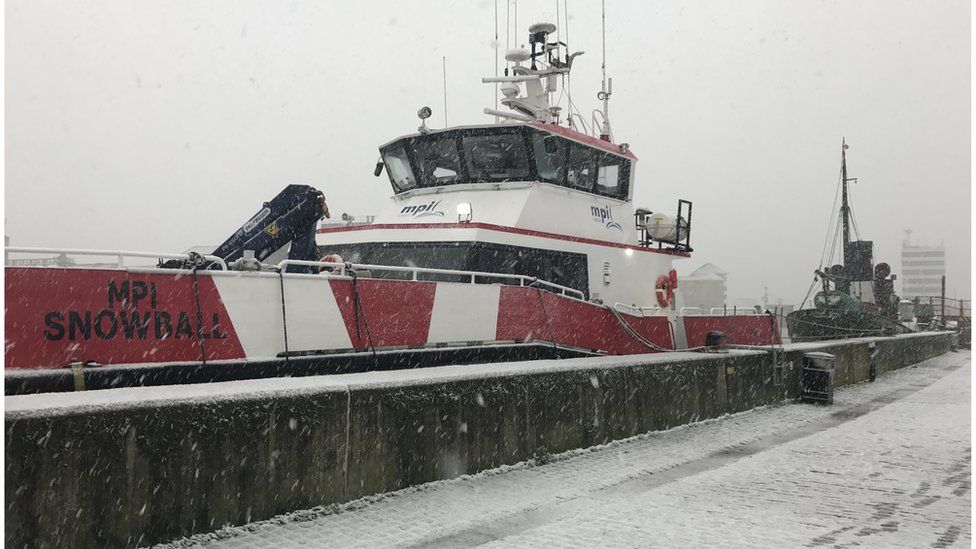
{"type": "Point", "coordinates": [604, 215]}
{"type": "Point", "coordinates": [423, 210]}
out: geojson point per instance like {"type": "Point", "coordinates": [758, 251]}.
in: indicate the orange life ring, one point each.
{"type": "Point", "coordinates": [664, 288]}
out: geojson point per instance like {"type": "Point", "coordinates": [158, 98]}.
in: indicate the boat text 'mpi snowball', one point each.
{"type": "Point", "coordinates": [514, 239]}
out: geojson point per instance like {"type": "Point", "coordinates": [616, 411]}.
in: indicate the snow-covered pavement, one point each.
{"type": "Point", "coordinates": [887, 466]}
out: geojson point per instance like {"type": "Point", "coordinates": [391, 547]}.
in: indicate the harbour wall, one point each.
{"type": "Point", "coordinates": [132, 467]}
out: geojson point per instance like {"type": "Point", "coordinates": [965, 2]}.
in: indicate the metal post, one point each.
{"type": "Point", "coordinates": [78, 372]}
{"type": "Point", "coordinates": [943, 303]}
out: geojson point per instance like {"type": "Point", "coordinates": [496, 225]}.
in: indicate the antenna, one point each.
{"type": "Point", "coordinates": [605, 91]}
{"type": "Point", "coordinates": [444, 64]}
{"type": "Point", "coordinates": [569, 77]}
{"type": "Point", "coordinates": [508, 24]}
{"type": "Point", "coordinates": [515, 26]}
{"type": "Point", "coordinates": [496, 57]}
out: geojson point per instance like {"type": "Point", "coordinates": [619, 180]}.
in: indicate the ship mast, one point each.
{"type": "Point", "coordinates": [844, 208]}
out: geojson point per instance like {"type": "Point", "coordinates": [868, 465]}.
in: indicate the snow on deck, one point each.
{"type": "Point", "coordinates": [887, 466]}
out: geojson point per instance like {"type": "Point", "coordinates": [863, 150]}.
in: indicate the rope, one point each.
{"type": "Point", "coordinates": [542, 305]}
{"type": "Point", "coordinates": [833, 210]}
{"type": "Point", "coordinates": [284, 317]}
{"type": "Point", "coordinates": [641, 339]}
{"type": "Point", "coordinates": [196, 295]}
{"type": "Point", "coordinates": [356, 307]}
{"type": "Point", "coordinates": [809, 291]}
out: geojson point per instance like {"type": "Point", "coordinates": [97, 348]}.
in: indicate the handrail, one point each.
{"type": "Point", "coordinates": [416, 271]}
{"type": "Point", "coordinates": [306, 263]}
{"type": "Point", "coordinates": [119, 254]}
{"type": "Point", "coordinates": [524, 281]}
{"type": "Point", "coordinates": [725, 311]}
{"type": "Point", "coordinates": [641, 310]}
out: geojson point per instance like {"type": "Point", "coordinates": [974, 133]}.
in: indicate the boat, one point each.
{"type": "Point", "coordinates": [513, 239]}
{"type": "Point", "coordinates": [857, 297]}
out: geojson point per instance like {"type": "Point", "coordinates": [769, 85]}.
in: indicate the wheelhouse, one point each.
{"type": "Point", "coordinates": [498, 154]}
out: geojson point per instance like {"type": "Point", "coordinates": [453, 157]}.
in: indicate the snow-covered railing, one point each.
{"type": "Point", "coordinates": [119, 255]}
{"type": "Point", "coordinates": [342, 269]}
{"type": "Point", "coordinates": [734, 311]}
{"type": "Point", "coordinates": [654, 310]}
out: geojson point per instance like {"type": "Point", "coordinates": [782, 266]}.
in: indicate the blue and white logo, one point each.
{"type": "Point", "coordinates": [423, 210]}
{"type": "Point", "coordinates": [604, 215]}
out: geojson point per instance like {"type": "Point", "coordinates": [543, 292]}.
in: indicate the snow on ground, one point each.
{"type": "Point", "coordinates": [887, 466]}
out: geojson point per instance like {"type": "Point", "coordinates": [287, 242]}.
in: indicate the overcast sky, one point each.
{"type": "Point", "coordinates": [161, 125]}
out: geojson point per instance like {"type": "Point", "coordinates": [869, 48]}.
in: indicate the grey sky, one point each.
{"type": "Point", "coordinates": [161, 125]}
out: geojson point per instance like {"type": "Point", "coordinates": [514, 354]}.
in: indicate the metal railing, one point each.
{"type": "Point", "coordinates": [341, 269]}
{"type": "Point", "coordinates": [117, 254]}
{"type": "Point", "coordinates": [734, 311]}
{"type": "Point", "coordinates": [654, 310]}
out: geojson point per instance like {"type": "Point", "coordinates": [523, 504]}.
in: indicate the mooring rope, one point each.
{"type": "Point", "coordinates": [545, 315]}
{"type": "Point", "coordinates": [284, 316]}
{"type": "Point", "coordinates": [357, 307]}
{"type": "Point", "coordinates": [197, 261]}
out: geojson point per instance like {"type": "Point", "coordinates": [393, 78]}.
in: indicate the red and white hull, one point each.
{"type": "Point", "coordinates": [57, 316]}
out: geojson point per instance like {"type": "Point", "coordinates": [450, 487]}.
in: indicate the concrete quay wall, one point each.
{"type": "Point", "coordinates": [132, 467]}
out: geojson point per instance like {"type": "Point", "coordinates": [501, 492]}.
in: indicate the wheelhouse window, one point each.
{"type": "Point", "coordinates": [437, 161]}
{"type": "Point", "coordinates": [496, 157]}
{"type": "Point", "coordinates": [505, 153]}
{"type": "Point", "coordinates": [550, 157]}
{"type": "Point", "coordinates": [398, 168]}
{"type": "Point", "coordinates": [612, 176]}
{"type": "Point", "coordinates": [581, 166]}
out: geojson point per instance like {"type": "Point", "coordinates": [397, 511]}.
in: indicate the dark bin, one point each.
{"type": "Point", "coordinates": [818, 378]}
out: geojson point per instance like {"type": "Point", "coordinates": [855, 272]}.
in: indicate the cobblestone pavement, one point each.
{"type": "Point", "coordinates": [887, 466]}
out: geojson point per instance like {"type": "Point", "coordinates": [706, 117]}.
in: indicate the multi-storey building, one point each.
{"type": "Point", "coordinates": [922, 270]}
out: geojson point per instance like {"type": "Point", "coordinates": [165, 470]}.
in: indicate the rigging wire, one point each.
{"type": "Point", "coordinates": [850, 210]}
{"type": "Point", "coordinates": [834, 240]}
{"type": "Point", "coordinates": [809, 291]}
{"type": "Point", "coordinates": [833, 211]}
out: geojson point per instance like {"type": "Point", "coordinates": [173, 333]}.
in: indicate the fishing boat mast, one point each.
{"type": "Point", "coordinates": [845, 210]}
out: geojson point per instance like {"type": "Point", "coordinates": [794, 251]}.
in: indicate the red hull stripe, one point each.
{"type": "Point", "coordinates": [530, 314]}
{"type": "Point", "coordinates": [392, 313]}
{"type": "Point", "coordinates": [56, 316]}
{"type": "Point", "coordinates": [499, 228]}
{"type": "Point", "coordinates": [741, 330]}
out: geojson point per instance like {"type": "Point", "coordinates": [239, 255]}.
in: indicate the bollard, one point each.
{"type": "Point", "coordinates": [873, 362]}
{"type": "Point", "coordinates": [78, 372]}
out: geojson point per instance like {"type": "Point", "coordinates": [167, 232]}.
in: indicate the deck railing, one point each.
{"type": "Point", "coordinates": [341, 269]}
{"type": "Point", "coordinates": [117, 254]}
